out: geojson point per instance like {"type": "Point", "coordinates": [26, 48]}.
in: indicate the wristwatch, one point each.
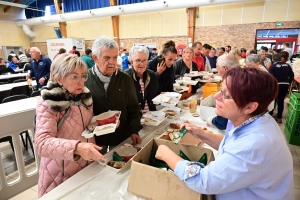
{"type": "Point", "coordinates": [45, 78]}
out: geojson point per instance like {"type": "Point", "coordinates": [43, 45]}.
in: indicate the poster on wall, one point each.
{"type": "Point", "coordinates": [53, 45]}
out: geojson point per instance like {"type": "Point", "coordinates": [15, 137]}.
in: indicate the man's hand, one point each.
{"type": "Point", "coordinates": [136, 139]}
{"type": "Point", "coordinates": [28, 76]}
{"type": "Point", "coordinates": [42, 80]}
{"type": "Point", "coordinates": [161, 67]}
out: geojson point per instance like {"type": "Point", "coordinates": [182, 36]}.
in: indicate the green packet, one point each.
{"type": "Point", "coordinates": [177, 137]}
{"type": "Point", "coordinates": [117, 157]}
{"type": "Point", "coordinates": [202, 160]}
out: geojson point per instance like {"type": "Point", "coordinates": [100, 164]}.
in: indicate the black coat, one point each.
{"type": "Point", "coordinates": [151, 87]}
{"type": "Point", "coordinates": [181, 68]}
{"type": "Point", "coordinates": [165, 79]}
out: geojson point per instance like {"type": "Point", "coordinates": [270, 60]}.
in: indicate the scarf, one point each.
{"type": "Point", "coordinates": [104, 79]}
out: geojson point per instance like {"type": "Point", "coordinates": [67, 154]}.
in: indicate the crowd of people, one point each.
{"type": "Point", "coordinates": [76, 88]}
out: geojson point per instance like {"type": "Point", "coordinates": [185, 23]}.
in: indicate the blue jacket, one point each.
{"type": "Point", "coordinates": [12, 65]}
{"type": "Point", "coordinates": [125, 62]}
{"type": "Point", "coordinates": [41, 68]}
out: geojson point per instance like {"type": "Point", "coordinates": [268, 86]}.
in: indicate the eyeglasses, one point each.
{"type": "Point", "coordinates": [76, 78]}
{"type": "Point", "coordinates": [141, 61]}
{"type": "Point", "coordinates": [224, 96]}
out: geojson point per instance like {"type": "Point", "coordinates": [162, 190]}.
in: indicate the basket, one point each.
{"type": "Point", "coordinates": [292, 125]}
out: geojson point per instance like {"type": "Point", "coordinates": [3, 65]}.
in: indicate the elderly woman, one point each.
{"type": "Point", "coordinates": [163, 67]}
{"type": "Point", "coordinates": [238, 54]}
{"type": "Point", "coordinates": [253, 60]}
{"type": "Point", "coordinates": [185, 65]}
{"type": "Point", "coordinates": [62, 114]}
{"type": "Point", "coordinates": [145, 80]}
{"type": "Point", "coordinates": [254, 161]}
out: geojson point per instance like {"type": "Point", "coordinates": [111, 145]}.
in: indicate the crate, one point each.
{"type": "Point", "coordinates": [295, 100]}
{"type": "Point", "coordinates": [292, 125]}
{"type": "Point", "coordinates": [209, 88]}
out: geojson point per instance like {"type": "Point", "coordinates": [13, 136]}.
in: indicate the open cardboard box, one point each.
{"type": "Point", "coordinates": [152, 183]}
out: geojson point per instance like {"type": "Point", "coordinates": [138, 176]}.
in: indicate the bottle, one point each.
{"type": "Point", "coordinates": [193, 106]}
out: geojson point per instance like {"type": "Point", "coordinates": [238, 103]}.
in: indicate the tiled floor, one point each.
{"type": "Point", "coordinates": [32, 194]}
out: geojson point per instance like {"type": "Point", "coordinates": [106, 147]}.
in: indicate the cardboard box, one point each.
{"type": "Point", "coordinates": [208, 107]}
{"type": "Point", "coordinates": [152, 183]}
{"type": "Point", "coordinates": [187, 139]}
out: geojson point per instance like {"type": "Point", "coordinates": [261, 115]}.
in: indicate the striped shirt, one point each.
{"type": "Point", "coordinates": [146, 108]}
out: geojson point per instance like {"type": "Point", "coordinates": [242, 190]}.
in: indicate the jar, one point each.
{"type": "Point", "coordinates": [193, 105]}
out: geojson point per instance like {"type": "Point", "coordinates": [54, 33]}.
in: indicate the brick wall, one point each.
{"type": "Point", "coordinates": [239, 35]}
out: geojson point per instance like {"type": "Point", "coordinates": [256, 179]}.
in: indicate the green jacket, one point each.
{"type": "Point", "coordinates": [120, 96]}
{"type": "Point", "coordinates": [88, 61]}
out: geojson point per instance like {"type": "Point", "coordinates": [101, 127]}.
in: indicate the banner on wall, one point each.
{"type": "Point", "coordinates": [53, 45]}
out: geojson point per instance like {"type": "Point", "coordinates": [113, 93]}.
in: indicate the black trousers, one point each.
{"type": "Point", "coordinates": [282, 91]}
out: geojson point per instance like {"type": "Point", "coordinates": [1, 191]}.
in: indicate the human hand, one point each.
{"type": "Point", "coordinates": [42, 80]}
{"type": "Point", "coordinates": [161, 67]}
{"type": "Point", "coordinates": [194, 130]}
{"type": "Point", "coordinates": [28, 76]}
{"type": "Point", "coordinates": [162, 152]}
{"type": "Point", "coordinates": [88, 151]}
{"type": "Point", "coordinates": [136, 139]}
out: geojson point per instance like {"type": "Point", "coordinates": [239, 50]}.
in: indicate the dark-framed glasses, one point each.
{"type": "Point", "coordinates": [138, 61]}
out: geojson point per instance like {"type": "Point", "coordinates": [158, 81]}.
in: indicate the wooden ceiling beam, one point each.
{"type": "Point", "coordinates": [191, 24]}
{"type": "Point", "coordinates": [62, 25]}
{"type": "Point", "coordinates": [115, 23]}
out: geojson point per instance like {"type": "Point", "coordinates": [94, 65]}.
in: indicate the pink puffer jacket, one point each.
{"type": "Point", "coordinates": [56, 146]}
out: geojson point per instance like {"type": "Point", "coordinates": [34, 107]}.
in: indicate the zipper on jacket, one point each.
{"type": "Point", "coordinates": [63, 169]}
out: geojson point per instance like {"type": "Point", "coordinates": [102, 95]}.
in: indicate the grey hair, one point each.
{"type": "Point", "coordinates": [103, 42]}
{"type": "Point", "coordinates": [65, 64]}
{"type": "Point", "coordinates": [138, 49]}
{"type": "Point", "coordinates": [253, 58]}
{"type": "Point", "coordinates": [228, 60]}
{"type": "Point", "coordinates": [36, 49]}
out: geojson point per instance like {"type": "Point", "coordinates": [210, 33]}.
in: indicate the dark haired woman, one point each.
{"type": "Point", "coordinates": [163, 67]}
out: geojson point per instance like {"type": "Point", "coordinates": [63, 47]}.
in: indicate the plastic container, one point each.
{"type": "Point", "coordinates": [193, 105]}
{"type": "Point", "coordinates": [292, 125]}
{"type": "Point", "coordinates": [295, 100]}
{"type": "Point", "coordinates": [209, 88]}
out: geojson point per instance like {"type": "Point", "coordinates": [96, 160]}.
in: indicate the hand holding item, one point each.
{"type": "Point", "coordinates": [88, 151]}
{"type": "Point", "coordinates": [162, 152]}
{"type": "Point", "coordinates": [194, 130]}
{"type": "Point", "coordinates": [161, 67]}
{"type": "Point", "coordinates": [136, 139]}
{"type": "Point", "coordinates": [42, 80]}
{"type": "Point", "coordinates": [28, 76]}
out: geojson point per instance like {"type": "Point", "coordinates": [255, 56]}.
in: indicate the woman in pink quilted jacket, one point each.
{"type": "Point", "coordinates": [62, 114]}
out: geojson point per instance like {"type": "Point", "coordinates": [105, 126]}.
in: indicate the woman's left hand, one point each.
{"type": "Point", "coordinates": [136, 139]}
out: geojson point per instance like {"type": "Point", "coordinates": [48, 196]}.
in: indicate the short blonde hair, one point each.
{"type": "Point", "coordinates": [236, 51]}
{"type": "Point", "coordinates": [65, 64]}
{"type": "Point", "coordinates": [188, 48]}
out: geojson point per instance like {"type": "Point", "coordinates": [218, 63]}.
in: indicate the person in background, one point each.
{"type": "Point", "coordinates": [237, 53]}
{"type": "Point", "coordinates": [13, 64]}
{"type": "Point", "coordinates": [112, 89]}
{"type": "Point", "coordinates": [243, 51]}
{"type": "Point", "coordinates": [198, 59]}
{"type": "Point", "coordinates": [204, 53]}
{"type": "Point", "coordinates": [253, 60]}
{"type": "Point", "coordinates": [227, 49]}
{"type": "Point", "coordinates": [212, 58]}
{"type": "Point", "coordinates": [82, 52]}
{"type": "Point", "coordinates": [63, 112]}
{"type": "Point", "coordinates": [163, 67]}
{"type": "Point", "coordinates": [87, 58]}
{"type": "Point", "coordinates": [27, 53]}
{"type": "Point", "coordinates": [125, 60]}
{"type": "Point", "coordinates": [221, 51]}
{"type": "Point", "coordinates": [185, 65]}
{"type": "Point", "coordinates": [27, 65]}
{"type": "Point", "coordinates": [270, 51]}
{"type": "Point", "coordinates": [224, 63]}
{"type": "Point", "coordinates": [40, 66]}
{"type": "Point", "coordinates": [77, 53]}
{"type": "Point", "coordinates": [2, 63]}
{"type": "Point", "coordinates": [254, 160]}
{"type": "Point", "coordinates": [61, 51]}
{"type": "Point", "coordinates": [3, 67]}
{"type": "Point", "coordinates": [145, 81]}
{"type": "Point", "coordinates": [72, 50]}
{"type": "Point", "coordinates": [11, 55]}
{"type": "Point", "coordinates": [22, 57]}
{"type": "Point", "coordinates": [249, 52]}
{"type": "Point", "coordinates": [264, 60]}
{"type": "Point", "coordinates": [286, 47]}
{"type": "Point", "coordinates": [119, 61]}
{"type": "Point", "coordinates": [284, 74]}
{"type": "Point", "coordinates": [153, 54]}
